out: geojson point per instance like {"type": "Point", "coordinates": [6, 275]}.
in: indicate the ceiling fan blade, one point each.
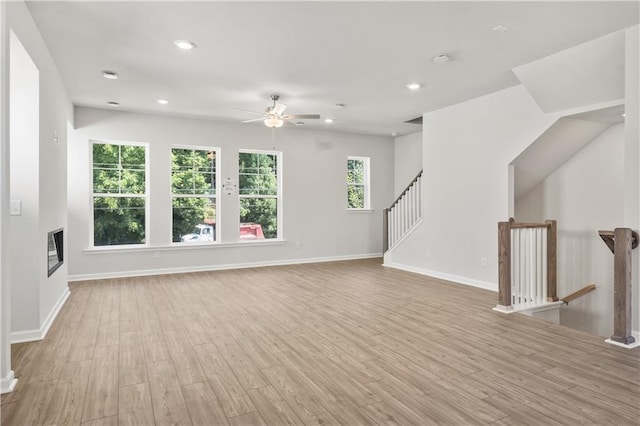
{"type": "Point", "coordinates": [250, 112]}
{"type": "Point", "coordinates": [278, 108]}
{"type": "Point", "coordinates": [254, 119]}
{"type": "Point", "coordinates": [304, 116]}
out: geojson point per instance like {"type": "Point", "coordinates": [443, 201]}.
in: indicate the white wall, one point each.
{"type": "Point", "coordinates": [586, 74]}
{"type": "Point", "coordinates": [314, 193]}
{"type": "Point", "coordinates": [584, 195]}
{"type": "Point", "coordinates": [466, 151]}
{"type": "Point", "coordinates": [632, 156]}
{"type": "Point", "coordinates": [7, 380]}
{"type": "Point", "coordinates": [24, 135]}
{"type": "Point", "coordinates": [407, 160]}
{"type": "Point", "coordinates": [50, 166]}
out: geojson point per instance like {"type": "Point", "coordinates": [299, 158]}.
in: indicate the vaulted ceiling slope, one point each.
{"type": "Point", "coordinates": [313, 54]}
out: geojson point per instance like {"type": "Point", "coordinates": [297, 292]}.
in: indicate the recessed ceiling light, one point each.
{"type": "Point", "coordinates": [441, 59]}
{"type": "Point", "coordinates": [394, 134]}
{"type": "Point", "coordinates": [300, 123]}
{"type": "Point", "coordinates": [328, 120]}
{"type": "Point", "coordinates": [623, 115]}
{"type": "Point", "coordinates": [501, 28]}
{"type": "Point", "coordinates": [185, 44]}
{"type": "Point", "coordinates": [162, 101]}
{"type": "Point", "coordinates": [110, 75]}
{"type": "Point", "coordinates": [339, 106]}
{"type": "Point", "coordinates": [113, 104]}
{"type": "Point", "coordinates": [414, 86]}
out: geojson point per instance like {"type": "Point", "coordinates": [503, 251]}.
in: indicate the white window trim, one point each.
{"type": "Point", "coordinates": [366, 185]}
{"type": "Point", "coordinates": [179, 247]}
{"type": "Point", "coordinates": [279, 203]}
{"type": "Point", "coordinates": [147, 186]}
{"type": "Point", "coordinates": [218, 152]}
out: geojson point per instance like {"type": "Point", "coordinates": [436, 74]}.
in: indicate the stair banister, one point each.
{"type": "Point", "coordinates": [403, 214]}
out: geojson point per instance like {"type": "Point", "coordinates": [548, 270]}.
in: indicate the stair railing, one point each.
{"type": "Point", "coordinates": [527, 264]}
{"type": "Point", "coordinates": [403, 214]}
{"type": "Point", "coordinates": [621, 241]}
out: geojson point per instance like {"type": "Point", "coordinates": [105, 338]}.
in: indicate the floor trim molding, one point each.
{"type": "Point", "coordinates": [207, 268]}
{"type": "Point", "coordinates": [444, 276]}
{"type": "Point", "coordinates": [39, 334]}
{"type": "Point", "coordinates": [8, 384]}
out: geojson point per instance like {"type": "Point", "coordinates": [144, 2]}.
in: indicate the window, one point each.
{"type": "Point", "coordinates": [119, 193]}
{"type": "Point", "coordinates": [195, 194]}
{"type": "Point", "coordinates": [358, 183]}
{"type": "Point", "coordinates": [260, 197]}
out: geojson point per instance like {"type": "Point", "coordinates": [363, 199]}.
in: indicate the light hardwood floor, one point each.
{"type": "Point", "coordinates": [335, 343]}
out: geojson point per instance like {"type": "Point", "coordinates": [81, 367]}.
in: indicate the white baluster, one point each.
{"type": "Point", "coordinates": [540, 296]}
{"type": "Point", "coordinates": [514, 265]}
{"type": "Point", "coordinates": [544, 263]}
{"type": "Point", "coordinates": [532, 262]}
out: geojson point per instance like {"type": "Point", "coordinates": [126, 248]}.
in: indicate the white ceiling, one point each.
{"type": "Point", "coordinates": [314, 54]}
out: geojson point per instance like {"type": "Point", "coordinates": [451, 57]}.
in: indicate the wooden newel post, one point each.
{"type": "Point", "coordinates": [622, 286]}
{"type": "Point", "coordinates": [385, 230]}
{"type": "Point", "coordinates": [504, 264]}
{"type": "Point", "coordinates": [552, 261]}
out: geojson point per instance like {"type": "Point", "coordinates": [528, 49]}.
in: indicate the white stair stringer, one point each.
{"type": "Point", "coordinates": [387, 258]}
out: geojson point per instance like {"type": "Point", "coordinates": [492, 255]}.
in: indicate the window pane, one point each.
{"type": "Point", "coordinates": [106, 181]}
{"type": "Point", "coordinates": [132, 181]}
{"type": "Point", "coordinates": [355, 197]}
{"type": "Point", "coordinates": [132, 157]}
{"type": "Point", "coordinates": [258, 218]}
{"type": "Point", "coordinates": [118, 220]}
{"type": "Point", "coordinates": [258, 174]}
{"type": "Point", "coordinates": [355, 171]}
{"type": "Point", "coordinates": [106, 155]}
{"type": "Point", "coordinates": [193, 171]}
{"type": "Point", "coordinates": [118, 169]}
{"type": "Point", "coordinates": [194, 219]}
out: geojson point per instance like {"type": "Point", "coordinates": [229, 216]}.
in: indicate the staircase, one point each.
{"type": "Point", "coordinates": [403, 215]}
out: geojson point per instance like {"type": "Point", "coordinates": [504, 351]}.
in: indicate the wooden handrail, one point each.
{"type": "Point", "coordinates": [529, 225]}
{"type": "Point", "coordinates": [608, 237]}
{"type": "Point", "coordinates": [415, 179]}
{"type": "Point", "coordinates": [579, 293]}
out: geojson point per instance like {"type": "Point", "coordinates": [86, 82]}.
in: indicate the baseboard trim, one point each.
{"type": "Point", "coordinates": [8, 383]}
{"type": "Point", "coordinates": [444, 276]}
{"type": "Point", "coordinates": [207, 268]}
{"type": "Point", "coordinates": [39, 334]}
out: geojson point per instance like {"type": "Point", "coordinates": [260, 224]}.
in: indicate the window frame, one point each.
{"type": "Point", "coordinates": [218, 189]}
{"type": "Point", "coordinates": [278, 196]}
{"type": "Point", "coordinates": [145, 196]}
{"type": "Point", "coordinates": [366, 185]}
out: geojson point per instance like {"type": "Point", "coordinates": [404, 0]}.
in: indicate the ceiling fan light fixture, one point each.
{"type": "Point", "coordinates": [274, 122]}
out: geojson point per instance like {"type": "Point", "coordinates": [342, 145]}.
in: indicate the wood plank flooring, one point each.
{"type": "Point", "coordinates": [335, 343]}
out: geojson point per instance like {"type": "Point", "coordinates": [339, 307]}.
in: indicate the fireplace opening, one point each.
{"type": "Point", "coordinates": [55, 250]}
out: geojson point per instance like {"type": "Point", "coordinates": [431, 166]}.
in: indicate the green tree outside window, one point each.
{"type": "Point", "coordinates": [119, 194]}
{"type": "Point", "coordinates": [258, 191]}
{"type": "Point", "coordinates": [194, 189]}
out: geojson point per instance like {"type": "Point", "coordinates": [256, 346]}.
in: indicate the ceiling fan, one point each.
{"type": "Point", "coordinates": [273, 115]}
